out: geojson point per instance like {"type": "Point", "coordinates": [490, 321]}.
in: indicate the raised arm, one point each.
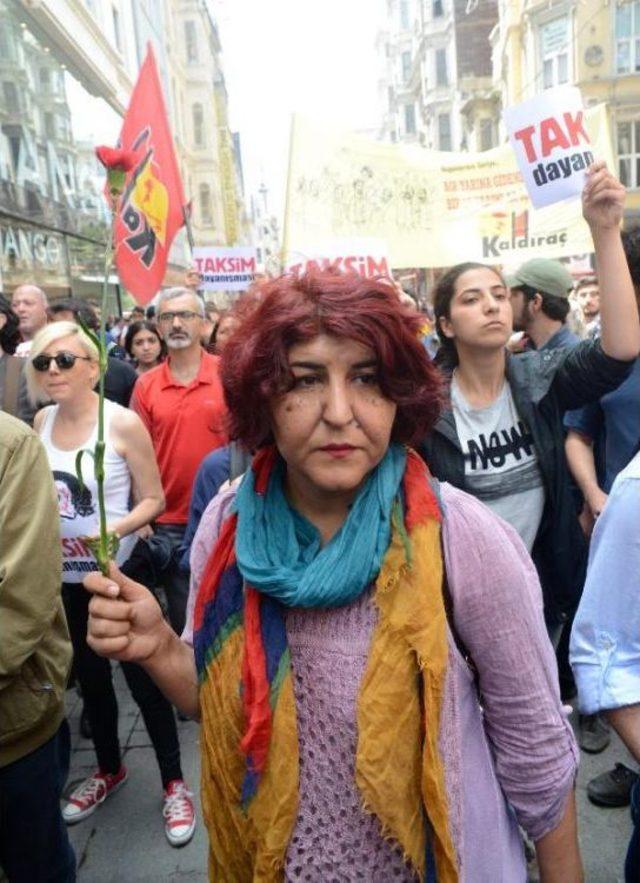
{"type": "Point", "coordinates": [603, 208]}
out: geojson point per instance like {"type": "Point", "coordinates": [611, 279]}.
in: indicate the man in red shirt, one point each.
{"type": "Point", "coordinates": [182, 405]}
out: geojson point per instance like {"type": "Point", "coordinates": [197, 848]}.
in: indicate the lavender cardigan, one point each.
{"type": "Point", "coordinates": [510, 757]}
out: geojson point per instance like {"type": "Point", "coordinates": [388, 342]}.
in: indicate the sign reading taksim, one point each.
{"type": "Point", "coordinates": [551, 143]}
{"type": "Point", "coordinates": [225, 269]}
{"type": "Point", "coordinates": [366, 257]}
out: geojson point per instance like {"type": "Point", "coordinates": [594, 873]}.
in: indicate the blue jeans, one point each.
{"type": "Point", "coordinates": [34, 844]}
{"type": "Point", "coordinates": [632, 864]}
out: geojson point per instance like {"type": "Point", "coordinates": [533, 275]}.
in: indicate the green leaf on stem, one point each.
{"type": "Point", "coordinates": [79, 457]}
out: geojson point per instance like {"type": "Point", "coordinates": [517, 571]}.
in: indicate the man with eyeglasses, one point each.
{"type": "Point", "coordinates": [182, 405]}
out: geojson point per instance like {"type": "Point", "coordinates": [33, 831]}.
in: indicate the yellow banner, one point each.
{"type": "Point", "coordinates": [432, 209]}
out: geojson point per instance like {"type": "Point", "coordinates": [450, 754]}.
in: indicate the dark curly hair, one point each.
{"type": "Point", "coordinates": [292, 309]}
{"type": "Point", "coordinates": [9, 334]}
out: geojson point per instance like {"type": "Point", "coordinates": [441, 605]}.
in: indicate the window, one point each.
{"type": "Point", "coordinates": [191, 41]}
{"type": "Point", "coordinates": [628, 37]}
{"type": "Point", "coordinates": [117, 39]}
{"type": "Point", "coordinates": [10, 94]}
{"type": "Point", "coordinates": [442, 78]}
{"type": "Point", "coordinates": [437, 9]}
{"type": "Point", "coordinates": [409, 119]}
{"type": "Point", "coordinates": [444, 131]}
{"type": "Point", "coordinates": [486, 134]}
{"type": "Point", "coordinates": [206, 215]}
{"type": "Point", "coordinates": [406, 66]}
{"type": "Point", "coordinates": [49, 125]}
{"type": "Point", "coordinates": [198, 125]}
{"type": "Point", "coordinates": [45, 79]}
{"type": "Point", "coordinates": [555, 46]}
{"type": "Point", "coordinates": [405, 22]}
{"type": "Point", "coordinates": [629, 153]}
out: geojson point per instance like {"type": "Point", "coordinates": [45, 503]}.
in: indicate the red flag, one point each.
{"type": "Point", "coordinates": [151, 208]}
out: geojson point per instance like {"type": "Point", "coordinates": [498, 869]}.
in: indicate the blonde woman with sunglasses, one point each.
{"type": "Point", "coordinates": [63, 370]}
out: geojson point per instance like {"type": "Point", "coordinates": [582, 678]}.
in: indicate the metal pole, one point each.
{"type": "Point", "coordinates": [119, 300]}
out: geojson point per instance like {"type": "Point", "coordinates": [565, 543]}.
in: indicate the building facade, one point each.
{"type": "Point", "coordinates": [67, 69]}
{"type": "Point", "coordinates": [594, 45]}
{"type": "Point", "coordinates": [437, 86]}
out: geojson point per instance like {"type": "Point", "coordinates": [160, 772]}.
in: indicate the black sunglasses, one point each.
{"type": "Point", "coordinates": [64, 361]}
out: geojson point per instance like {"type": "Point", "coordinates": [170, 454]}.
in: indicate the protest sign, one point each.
{"type": "Point", "coordinates": [430, 208]}
{"type": "Point", "coordinates": [225, 269]}
{"type": "Point", "coordinates": [367, 257]}
{"type": "Point", "coordinates": [551, 144]}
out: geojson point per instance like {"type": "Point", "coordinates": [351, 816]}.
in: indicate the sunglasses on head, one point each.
{"type": "Point", "coordinates": [64, 361]}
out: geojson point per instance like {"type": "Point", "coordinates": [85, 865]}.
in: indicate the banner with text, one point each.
{"type": "Point", "coordinates": [225, 268]}
{"type": "Point", "coordinates": [551, 144]}
{"type": "Point", "coordinates": [367, 257]}
{"type": "Point", "coordinates": [432, 209]}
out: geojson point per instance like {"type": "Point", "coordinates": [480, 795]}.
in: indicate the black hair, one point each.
{"type": "Point", "coordinates": [556, 308]}
{"type": "Point", "coordinates": [631, 246]}
{"type": "Point", "coordinates": [80, 309]}
{"type": "Point", "coordinates": [143, 325]}
{"type": "Point", "coordinates": [9, 334]}
{"type": "Point", "coordinates": [447, 355]}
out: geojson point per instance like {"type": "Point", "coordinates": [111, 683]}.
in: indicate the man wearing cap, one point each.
{"type": "Point", "coordinates": [540, 302]}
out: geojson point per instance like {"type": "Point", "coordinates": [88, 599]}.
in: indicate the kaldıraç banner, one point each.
{"type": "Point", "coordinates": [431, 208]}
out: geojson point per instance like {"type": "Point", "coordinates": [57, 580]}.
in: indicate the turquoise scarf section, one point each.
{"type": "Point", "coordinates": [279, 552]}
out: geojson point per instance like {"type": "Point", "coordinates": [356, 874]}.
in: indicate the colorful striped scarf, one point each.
{"type": "Point", "coordinates": [249, 735]}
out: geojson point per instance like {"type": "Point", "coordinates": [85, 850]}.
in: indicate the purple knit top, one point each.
{"type": "Point", "coordinates": [510, 760]}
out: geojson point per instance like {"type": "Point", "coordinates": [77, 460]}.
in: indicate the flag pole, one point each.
{"type": "Point", "coordinates": [187, 224]}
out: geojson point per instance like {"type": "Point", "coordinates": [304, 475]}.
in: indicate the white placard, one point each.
{"type": "Point", "coordinates": [551, 144]}
{"type": "Point", "coordinates": [225, 269]}
{"type": "Point", "coordinates": [367, 257]}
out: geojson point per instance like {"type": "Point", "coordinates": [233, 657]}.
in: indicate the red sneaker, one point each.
{"type": "Point", "coordinates": [88, 796]}
{"type": "Point", "coordinates": [179, 813]}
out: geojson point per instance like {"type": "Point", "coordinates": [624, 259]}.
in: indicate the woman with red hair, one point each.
{"type": "Point", "coordinates": [336, 670]}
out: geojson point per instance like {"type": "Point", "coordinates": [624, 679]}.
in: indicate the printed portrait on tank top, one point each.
{"type": "Point", "coordinates": [74, 501]}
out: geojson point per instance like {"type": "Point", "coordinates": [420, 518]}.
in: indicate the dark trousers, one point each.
{"type": "Point", "coordinates": [34, 844]}
{"type": "Point", "coordinates": [174, 580]}
{"type": "Point", "coordinates": [93, 673]}
{"type": "Point", "coordinates": [632, 864]}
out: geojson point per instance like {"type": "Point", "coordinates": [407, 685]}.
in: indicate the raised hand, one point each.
{"type": "Point", "coordinates": [125, 620]}
{"type": "Point", "coordinates": [602, 198]}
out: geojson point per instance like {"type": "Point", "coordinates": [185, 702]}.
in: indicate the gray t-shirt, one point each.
{"type": "Point", "coordinates": [500, 461]}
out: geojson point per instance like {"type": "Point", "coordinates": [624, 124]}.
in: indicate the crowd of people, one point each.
{"type": "Point", "coordinates": [373, 561]}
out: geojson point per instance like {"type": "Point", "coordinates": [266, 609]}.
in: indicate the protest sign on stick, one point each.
{"type": "Point", "coordinates": [551, 144]}
{"type": "Point", "coordinates": [224, 268]}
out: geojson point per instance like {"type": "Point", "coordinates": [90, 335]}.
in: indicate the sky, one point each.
{"type": "Point", "coordinates": [282, 56]}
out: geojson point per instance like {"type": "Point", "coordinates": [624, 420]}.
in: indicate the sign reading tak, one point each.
{"type": "Point", "coordinates": [551, 144]}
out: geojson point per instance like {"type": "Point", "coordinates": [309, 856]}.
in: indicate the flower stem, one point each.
{"type": "Point", "coordinates": [102, 555]}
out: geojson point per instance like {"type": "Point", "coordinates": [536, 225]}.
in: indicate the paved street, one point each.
{"type": "Point", "coordinates": [123, 842]}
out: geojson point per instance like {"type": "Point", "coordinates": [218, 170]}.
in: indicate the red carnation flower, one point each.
{"type": "Point", "coordinates": [116, 158]}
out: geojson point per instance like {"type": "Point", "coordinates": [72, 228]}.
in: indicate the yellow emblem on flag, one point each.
{"type": "Point", "coordinates": [151, 198]}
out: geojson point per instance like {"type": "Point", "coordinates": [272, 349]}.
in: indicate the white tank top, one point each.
{"type": "Point", "coordinates": [79, 508]}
